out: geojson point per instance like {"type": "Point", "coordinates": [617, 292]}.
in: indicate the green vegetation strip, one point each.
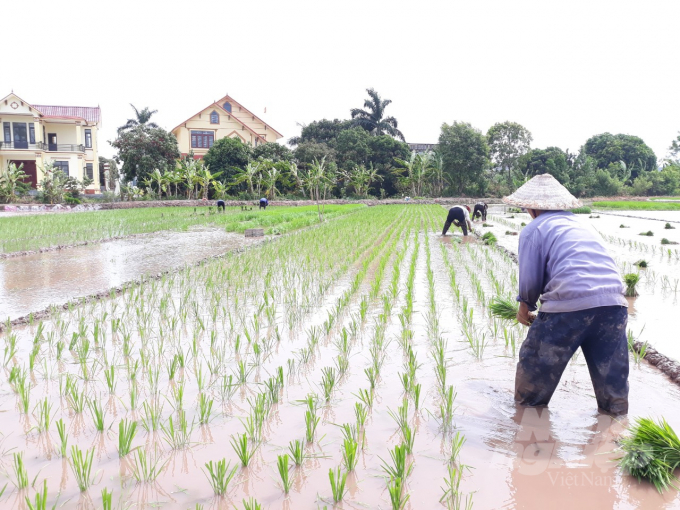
{"type": "Point", "coordinates": [34, 232]}
{"type": "Point", "coordinates": [638, 206]}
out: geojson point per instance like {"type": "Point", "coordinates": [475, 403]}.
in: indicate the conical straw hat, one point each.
{"type": "Point", "coordinates": [545, 193]}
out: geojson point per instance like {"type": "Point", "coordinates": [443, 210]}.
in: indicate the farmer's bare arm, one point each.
{"type": "Point", "coordinates": [524, 316]}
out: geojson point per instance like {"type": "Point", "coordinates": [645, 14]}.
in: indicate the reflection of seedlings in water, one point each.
{"type": "Point", "coordinates": [631, 280]}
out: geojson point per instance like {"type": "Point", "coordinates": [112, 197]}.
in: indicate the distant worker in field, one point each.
{"type": "Point", "coordinates": [459, 215]}
{"type": "Point", "coordinates": [565, 264]}
{"type": "Point", "coordinates": [221, 205]}
{"type": "Point", "coordinates": [264, 203]}
{"type": "Point", "coordinates": [480, 209]}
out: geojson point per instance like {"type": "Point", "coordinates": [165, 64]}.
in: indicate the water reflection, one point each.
{"type": "Point", "coordinates": [34, 282]}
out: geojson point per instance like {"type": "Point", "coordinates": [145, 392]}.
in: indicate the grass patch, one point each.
{"type": "Point", "coordinates": [581, 210]}
{"type": "Point", "coordinates": [631, 205]}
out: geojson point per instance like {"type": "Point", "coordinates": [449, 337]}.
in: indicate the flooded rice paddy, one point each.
{"type": "Point", "coordinates": [34, 282]}
{"type": "Point", "coordinates": [368, 333]}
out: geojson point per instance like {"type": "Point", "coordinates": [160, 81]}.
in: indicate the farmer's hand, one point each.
{"type": "Point", "coordinates": [524, 316]}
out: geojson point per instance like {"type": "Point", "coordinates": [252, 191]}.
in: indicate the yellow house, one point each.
{"type": "Point", "coordinates": [221, 119]}
{"type": "Point", "coordinates": [35, 135]}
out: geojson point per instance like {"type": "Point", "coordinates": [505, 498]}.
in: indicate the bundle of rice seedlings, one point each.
{"type": "Point", "coordinates": [505, 308]}
{"type": "Point", "coordinates": [668, 226]}
{"type": "Point", "coordinates": [593, 216]}
{"type": "Point", "coordinates": [623, 226]}
{"type": "Point", "coordinates": [487, 225]}
{"type": "Point", "coordinates": [581, 210]}
{"type": "Point", "coordinates": [666, 241]}
{"type": "Point", "coordinates": [648, 233]}
{"type": "Point", "coordinates": [652, 453]}
{"type": "Point", "coordinates": [631, 280]}
{"type": "Point", "coordinates": [510, 233]}
{"type": "Point", "coordinates": [489, 238]}
{"type": "Point", "coordinates": [641, 263]}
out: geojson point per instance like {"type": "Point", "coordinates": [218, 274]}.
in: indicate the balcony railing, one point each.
{"type": "Point", "coordinates": [64, 147]}
{"type": "Point", "coordinates": [42, 146]}
{"type": "Point", "coordinates": [22, 145]}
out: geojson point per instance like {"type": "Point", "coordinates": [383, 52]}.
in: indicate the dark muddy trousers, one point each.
{"type": "Point", "coordinates": [553, 339]}
{"type": "Point", "coordinates": [481, 210]}
{"type": "Point", "coordinates": [220, 205]}
{"type": "Point", "coordinates": [457, 217]}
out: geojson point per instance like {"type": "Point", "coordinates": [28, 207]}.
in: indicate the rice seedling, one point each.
{"type": "Point", "coordinates": [98, 414]}
{"type": "Point", "coordinates": [338, 481]}
{"type": "Point", "coordinates": [126, 433]}
{"type": "Point", "coordinates": [456, 446]}
{"type": "Point", "coordinates": [177, 435]}
{"type": "Point", "coordinates": [651, 452]}
{"type": "Point", "coordinates": [631, 280]}
{"type": "Point", "coordinates": [503, 307]}
{"type": "Point", "coordinates": [40, 501]}
{"type": "Point", "coordinates": [204, 409]}
{"type": "Point", "coordinates": [107, 499]}
{"type": "Point", "coordinates": [328, 380]}
{"type": "Point", "coordinates": [63, 437]}
{"type": "Point", "coordinates": [151, 421]}
{"type": "Point", "coordinates": [361, 413]}
{"type": "Point", "coordinates": [81, 465]}
{"type": "Point", "coordinates": [251, 504]}
{"type": "Point", "coordinates": [145, 469]}
{"type": "Point", "coordinates": [297, 453]}
{"type": "Point", "coordinates": [219, 475]}
{"type": "Point", "coordinates": [350, 455]}
{"type": "Point", "coordinates": [399, 468]}
{"type": "Point", "coordinates": [284, 472]}
{"type": "Point", "coordinates": [239, 443]}
{"type": "Point", "coordinates": [44, 415]}
{"type": "Point", "coordinates": [398, 499]}
{"type": "Point", "coordinates": [20, 473]}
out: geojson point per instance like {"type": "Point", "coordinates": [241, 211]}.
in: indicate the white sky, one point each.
{"type": "Point", "coordinates": [564, 69]}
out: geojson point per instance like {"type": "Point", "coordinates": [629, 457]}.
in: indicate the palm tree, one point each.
{"type": "Point", "coordinates": [373, 118]}
{"type": "Point", "coordinates": [141, 120]}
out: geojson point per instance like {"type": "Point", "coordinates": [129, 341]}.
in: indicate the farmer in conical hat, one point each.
{"type": "Point", "coordinates": [459, 215]}
{"type": "Point", "coordinates": [566, 265]}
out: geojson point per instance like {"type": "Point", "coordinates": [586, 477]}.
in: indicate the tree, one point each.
{"type": "Point", "coordinates": [307, 153]}
{"type": "Point", "coordinates": [352, 148]}
{"type": "Point", "coordinates": [143, 149]}
{"type": "Point", "coordinates": [465, 155]}
{"type": "Point", "coordinates": [319, 180]}
{"type": "Point", "coordinates": [361, 178]}
{"type": "Point", "coordinates": [674, 149]}
{"type": "Point", "coordinates": [416, 167]}
{"type": "Point", "coordinates": [373, 119]}
{"type": "Point", "coordinates": [608, 149]}
{"type": "Point", "coordinates": [141, 119]}
{"type": "Point", "coordinates": [205, 178]}
{"type": "Point", "coordinates": [508, 141]}
{"type": "Point", "coordinates": [113, 174]}
{"type": "Point", "coordinates": [321, 131]}
{"type": "Point", "coordinates": [228, 156]}
{"type": "Point", "coordinates": [553, 161]}
{"type": "Point", "coordinates": [273, 151]}
{"type": "Point", "coordinates": [11, 181]}
{"type": "Point", "coordinates": [248, 175]}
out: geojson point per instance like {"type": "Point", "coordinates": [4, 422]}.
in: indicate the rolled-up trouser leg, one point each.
{"type": "Point", "coordinates": [550, 343]}
{"type": "Point", "coordinates": [605, 349]}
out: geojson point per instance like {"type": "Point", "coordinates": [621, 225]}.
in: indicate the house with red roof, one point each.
{"type": "Point", "coordinates": [35, 135]}
{"type": "Point", "coordinates": [223, 118]}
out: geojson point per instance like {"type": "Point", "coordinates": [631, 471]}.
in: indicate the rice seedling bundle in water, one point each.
{"type": "Point", "coordinates": [489, 238]}
{"type": "Point", "coordinates": [652, 453]}
{"type": "Point", "coordinates": [631, 280]}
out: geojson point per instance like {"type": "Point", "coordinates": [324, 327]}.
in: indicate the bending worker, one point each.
{"type": "Point", "coordinates": [480, 208]}
{"type": "Point", "coordinates": [459, 215]}
{"type": "Point", "coordinates": [566, 265]}
{"type": "Point", "coordinates": [264, 203]}
{"type": "Point", "coordinates": [220, 205]}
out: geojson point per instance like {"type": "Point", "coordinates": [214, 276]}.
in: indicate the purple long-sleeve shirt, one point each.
{"type": "Point", "coordinates": [566, 265]}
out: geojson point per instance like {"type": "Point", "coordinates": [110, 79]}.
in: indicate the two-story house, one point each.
{"type": "Point", "coordinates": [35, 135]}
{"type": "Point", "coordinates": [223, 118]}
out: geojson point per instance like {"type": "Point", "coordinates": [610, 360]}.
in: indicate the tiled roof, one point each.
{"type": "Point", "coordinates": [90, 114]}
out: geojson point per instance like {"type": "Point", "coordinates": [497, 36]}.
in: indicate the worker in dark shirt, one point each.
{"type": "Point", "coordinates": [480, 208]}
{"type": "Point", "coordinates": [264, 203]}
{"type": "Point", "coordinates": [221, 205]}
{"type": "Point", "coordinates": [459, 215]}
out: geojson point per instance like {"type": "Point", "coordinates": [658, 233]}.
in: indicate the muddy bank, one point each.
{"type": "Point", "coordinates": [599, 211]}
{"type": "Point", "coordinates": [668, 366]}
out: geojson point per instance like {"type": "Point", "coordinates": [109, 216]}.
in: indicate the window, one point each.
{"type": "Point", "coordinates": [61, 165]}
{"type": "Point", "coordinates": [88, 138]}
{"type": "Point", "coordinates": [7, 131]}
{"type": "Point", "coordinates": [89, 173]}
{"type": "Point", "coordinates": [31, 133]}
{"type": "Point", "coordinates": [202, 139]}
{"type": "Point", "coordinates": [214, 118]}
{"type": "Point", "coordinates": [227, 106]}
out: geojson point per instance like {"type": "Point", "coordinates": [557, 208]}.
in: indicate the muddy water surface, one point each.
{"type": "Point", "coordinates": [33, 282]}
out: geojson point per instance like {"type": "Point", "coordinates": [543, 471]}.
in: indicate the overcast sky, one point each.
{"type": "Point", "coordinates": [564, 69]}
